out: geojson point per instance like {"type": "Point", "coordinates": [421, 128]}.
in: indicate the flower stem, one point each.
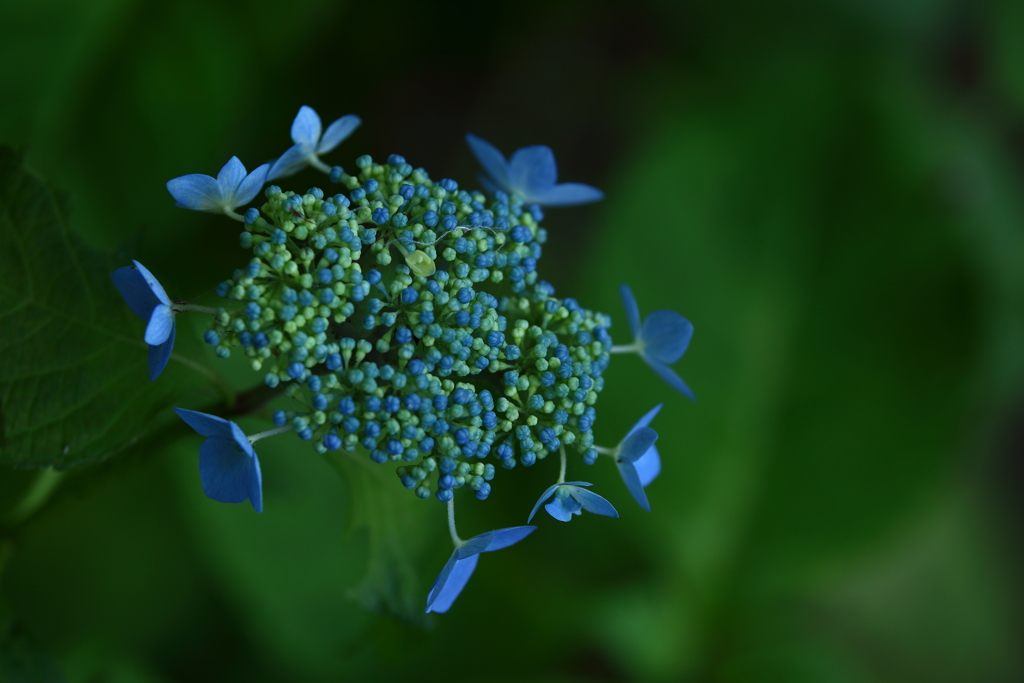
{"type": "Point", "coordinates": [561, 473]}
{"type": "Point", "coordinates": [231, 214]}
{"type": "Point", "coordinates": [451, 524]}
{"type": "Point", "coordinates": [43, 485]}
{"type": "Point", "coordinates": [606, 451]}
{"type": "Point", "coordinates": [315, 162]}
{"type": "Point", "coordinates": [193, 308]}
{"type": "Point", "coordinates": [626, 348]}
{"type": "Point", "coordinates": [253, 438]}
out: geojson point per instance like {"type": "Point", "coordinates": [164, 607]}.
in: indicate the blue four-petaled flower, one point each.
{"type": "Point", "coordinates": [648, 465]}
{"type": "Point", "coordinates": [570, 498]}
{"type": "Point", "coordinates": [230, 189]}
{"type": "Point", "coordinates": [660, 341]}
{"type": "Point", "coordinates": [228, 466]}
{"type": "Point", "coordinates": [636, 445]}
{"type": "Point", "coordinates": [452, 579]}
{"type": "Point", "coordinates": [148, 300]}
{"type": "Point", "coordinates": [306, 134]}
{"type": "Point", "coordinates": [530, 173]}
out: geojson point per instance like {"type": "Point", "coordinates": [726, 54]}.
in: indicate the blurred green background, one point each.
{"type": "Point", "coordinates": [832, 191]}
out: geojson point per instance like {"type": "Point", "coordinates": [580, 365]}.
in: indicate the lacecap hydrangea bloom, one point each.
{"type": "Point", "coordinates": [407, 320]}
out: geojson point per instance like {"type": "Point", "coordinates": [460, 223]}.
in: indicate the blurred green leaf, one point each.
{"type": "Point", "coordinates": [73, 387]}
{"type": "Point", "coordinates": [398, 531]}
{"type": "Point", "coordinates": [23, 661]}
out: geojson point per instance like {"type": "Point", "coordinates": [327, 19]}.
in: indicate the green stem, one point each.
{"type": "Point", "coordinates": [39, 492]}
{"type": "Point", "coordinates": [451, 524]}
{"type": "Point", "coordinates": [193, 308]}
{"type": "Point", "coordinates": [626, 348]}
{"type": "Point", "coordinates": [253, 438]}
{"type": "Point", "coordinates": [561, 473]}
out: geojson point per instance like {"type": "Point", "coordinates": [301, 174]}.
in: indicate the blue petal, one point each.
{"type": "Point", "coordinates": [648, 466]}
{"type": "Point", "coordinates": [450, 582]}
{"type": "Point", "coordinates": [249, 187]}
{"type": "Point", "coordinates": [646, 420]}
{"type": "Point", "coordinates": [491, 159]}
{"type": "Point", "coordinates": [205, 424]}
{"type": "Point", "coordinates": [306, 127]}
{"type": "Point", "coordinates": [665, 336]}
{"type": "Point", "coordinates": [591, 502]}
{"type": "Point", "coordinates": [503, 538]}
{"type": "Point", "coordinates": [225, 470]}
{"type": "Point", "coordinates": [540, 501]}
{"type": "Point", "coordinates": [159, 355]}
{"type": "Point", "coordinates": [161, 325]}
{"type": "Point", "coordinates": [337, 132]}
{"type": "Point", "coordinates": [629, 475]}
{"type": "Point", "coordinates": [256, 480]}
{"type": "Point", "coordinates": [562, 512]}
{"type": "Point", "coordinates": [292, 161]}
{"type": "Point", "coordinates": [135, 291]}
{"type": "Point", "coordinates": [532, 170]}
{"type": "Point", "coordinates": [632, 312]}
{"type": "Point", "coordinates": [637, 443]}
{"type": "Point", "coordinates": [674, 380]}
{"type": "Point", "coordinates": [230, 176]}
{"type": "Point", "coordinates": [567, 194]}
{"type": "Point", "coordinates": [153, 284]}
{"type": "Point", "coordinates": [197, 192]}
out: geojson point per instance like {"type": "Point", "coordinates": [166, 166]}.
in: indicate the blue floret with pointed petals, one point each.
{"type": "Point", "coordinates": [661, 340]}
{"type": "Point", "coordinates": [148, 300]}
{"type": "Point", "coordinates": [232, 188]}
{"type": "Point", "coordinates": [453, 578]}
{"type": "Point", "coordinates": [531, 173]}
{"type": "Point", "coordinates": [570, 499]}
{"type": "Point", "coordinates": [648, 465]}
{"type": "Point", "coordinates": [228, 466]}
{"type": "Point", "coordinates": [633, 448]}
{"type": "Point", "coordinates": [309, 142]}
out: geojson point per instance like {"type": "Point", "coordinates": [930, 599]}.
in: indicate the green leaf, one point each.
{"type": "Point", "coordinates": [74, 383]}
{"type": "Point", "coordinates": [398, 530]}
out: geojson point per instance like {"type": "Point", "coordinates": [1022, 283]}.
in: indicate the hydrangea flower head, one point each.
{"type": "Point", "coordinates": [231, 188]}
{"type": "Point", "coordinates": [407, 320]}
{"type": "Point", "coordinates": [309, 142]}
{"type": "Point", "coordinates": [228, 466]}
{"type": "Point", "coordinates": [531, 173]}
{"type": "Point", "coordinates": [570, 499]}
{"type": "Point", "coordinates": [148, 300]}
{"type": "Point", "coordinates": [661, 340]}
{"type": "Point", "coordinates": [452, 579]}
{"type": "Point", "coordinates": [632, 448]}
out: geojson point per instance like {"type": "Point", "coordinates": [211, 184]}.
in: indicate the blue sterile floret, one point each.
{"type": "Point", "coordinates": [636, 444]}
{"type": "Point", "coordinates": [309, 143]}
{"type": "Point", "coordinates": [228, 466]}
{"type": "Point", "coordinates": [660, 341]}
{"type": "Point", "coordinates": [148, 300]}
{"type": "Point", "coordinates": [532, 174]}
{"type": "Point", "coordinates": [230, 189]}
{"type": "Point", "coordinates": [452, 579]}
{"type": "Point", "coordinates": [570, 499]}
{"type": "Point", "coordinates": [648, 465]}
